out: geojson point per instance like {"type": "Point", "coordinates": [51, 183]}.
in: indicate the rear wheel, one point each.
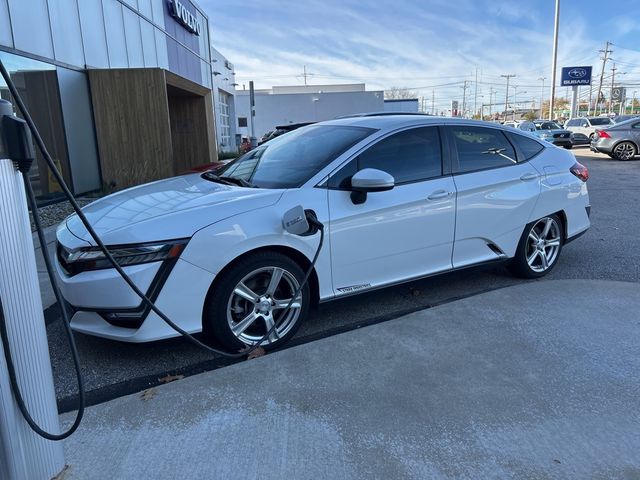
{"type": "Point", "coordinates": [248, 301]}
{"type": "Point", "coordinates": [539, 248]}
{"type": "Point", "coordinates": [624, 151]}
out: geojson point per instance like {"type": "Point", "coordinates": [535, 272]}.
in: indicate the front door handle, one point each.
{"type": "Point", "coordinates": [527, 177]}
{"type": "Point", "coordinates": [439, 194]}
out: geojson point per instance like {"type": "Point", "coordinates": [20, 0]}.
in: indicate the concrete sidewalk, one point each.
{"type": "Point", "coordinates": [540, 380]}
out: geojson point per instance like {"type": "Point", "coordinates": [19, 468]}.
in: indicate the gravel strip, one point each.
{"type": "Point", "coordinates": [54, 214]}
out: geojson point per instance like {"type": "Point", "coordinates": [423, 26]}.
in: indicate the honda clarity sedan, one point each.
{"type": "Point", "coordinates": [400, 197]}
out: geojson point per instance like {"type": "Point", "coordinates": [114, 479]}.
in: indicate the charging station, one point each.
{"type": "Point", "coordinates": [23, 453]}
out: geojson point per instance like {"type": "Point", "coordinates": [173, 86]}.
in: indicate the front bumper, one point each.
{"type": "Point", "coordinates": [104, 305]}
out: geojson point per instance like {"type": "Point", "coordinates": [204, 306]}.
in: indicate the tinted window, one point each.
{"type": "Point", "coordinates": [600, 121]}
{"type": "Point", "coordinates": [409, 156]}
{"type": "Point", "coordinates": [291, 159]}
{"type": "Point", "coordinates": [528, 146]}
{"type": "Point", "coordinates": [480, 148]}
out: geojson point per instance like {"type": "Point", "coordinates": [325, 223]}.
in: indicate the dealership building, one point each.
{"type": "Point", "coordinates": [121, 90]}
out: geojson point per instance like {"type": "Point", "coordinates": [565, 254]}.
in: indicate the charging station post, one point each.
{"type": "Point", "coordinates": [23, 453]}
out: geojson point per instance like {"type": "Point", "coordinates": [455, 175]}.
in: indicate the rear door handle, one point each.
{"type": "Point", "coordinates": [439, 194]}
{"type": "Point", "coordinates": [527, 177]}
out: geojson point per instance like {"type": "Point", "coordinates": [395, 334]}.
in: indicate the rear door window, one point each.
{"type": "Point", "coordinates": [528, 146]}
{"type": "Point", "coordinates": [480, 148]}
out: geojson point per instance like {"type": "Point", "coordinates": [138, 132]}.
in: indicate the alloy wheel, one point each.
{"type": "Point", "coordinates": [624, 151]}
{"type": "Point", "coordinates": [257, 302]}
{"type": "Point", "coordinates": [543, 244]}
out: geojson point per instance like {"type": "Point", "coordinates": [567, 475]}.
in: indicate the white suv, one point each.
{"type": "Point", "coordinates": [587, 125]}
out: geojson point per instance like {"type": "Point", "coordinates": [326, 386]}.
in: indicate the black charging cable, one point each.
{"type": "Point", "coordinates": [52, 167]}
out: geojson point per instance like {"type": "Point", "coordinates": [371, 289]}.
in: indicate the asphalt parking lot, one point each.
{"type": "Point", "coordinates": [609, 251]}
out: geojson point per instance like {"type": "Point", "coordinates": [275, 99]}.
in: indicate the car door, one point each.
{"type": "Point", "coordinates": [398, 234]}
{"type": "Point", "coordinates": [496, 193]}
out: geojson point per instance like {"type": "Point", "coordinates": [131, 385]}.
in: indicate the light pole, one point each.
{"type": "Point", "coordinates": [633, 102]}
{"type": "Point", "coordinates": [506, 95]}
{"type": "Point", "coordinates": [542, 79]}
{"type": "Point", "coordinates": [555, 59]}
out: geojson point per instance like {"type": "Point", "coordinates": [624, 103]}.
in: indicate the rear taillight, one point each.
{"type": "Point", "coordinates": [603, 134]}
{"type": "Point", "coordinates": [580, 171]}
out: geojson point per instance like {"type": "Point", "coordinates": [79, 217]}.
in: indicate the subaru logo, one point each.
{"type": "Point", "coordinates": [577, 73]}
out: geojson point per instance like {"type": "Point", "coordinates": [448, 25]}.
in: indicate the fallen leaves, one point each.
{"type": "Point", "coordinates": [258, 352]}
{"type": "Point", "coordinates": [170, 378]}
{"type": "Point", "coordinates": [148, 394]}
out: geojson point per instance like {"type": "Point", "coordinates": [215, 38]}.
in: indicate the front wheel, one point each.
{"type": "Point", "coordinates": [249, 299]}
{"type": "Point", "coordinates": [539, 248]}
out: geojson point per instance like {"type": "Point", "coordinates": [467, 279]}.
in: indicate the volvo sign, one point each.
{"type": "Point", "coordinates": [184, 17]}
{"type": "Point", "coordinates": [576, 76]}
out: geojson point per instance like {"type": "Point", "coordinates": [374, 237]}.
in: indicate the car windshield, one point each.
{"type": "Point", "coordinates": [293, 158]}
{"type": "Point", "coordinates": [548, 126]}
{"type": "Point", "coordinates": [600, 121]}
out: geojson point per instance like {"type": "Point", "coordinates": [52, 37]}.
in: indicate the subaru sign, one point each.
{"type": "Point", "coordinates": [575, 76]}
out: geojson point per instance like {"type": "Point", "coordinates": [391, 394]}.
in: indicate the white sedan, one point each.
{"type": "Point", "coordinates": [401, 197]}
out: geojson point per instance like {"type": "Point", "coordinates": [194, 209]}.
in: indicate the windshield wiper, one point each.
{"type": "Point", "coordinates": [238, 181]}
{"type": "Point", "coordinates": [226, 180]}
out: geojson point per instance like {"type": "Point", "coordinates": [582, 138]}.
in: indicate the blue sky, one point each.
{"type": "Point", "coordinates": [434, 44]}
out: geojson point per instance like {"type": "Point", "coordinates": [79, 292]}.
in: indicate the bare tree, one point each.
{"type": "Point", "coordinates": [396, 93]}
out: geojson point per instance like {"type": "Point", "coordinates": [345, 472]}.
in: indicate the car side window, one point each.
{"type": "Point", "coordinates": [480, 148]}
{"type": "Point", "coordinates": [528, 146]}
{"type": "Point", "coordinates": [636, 125]}
{"type": "Point", "coordinates": [409, 156]}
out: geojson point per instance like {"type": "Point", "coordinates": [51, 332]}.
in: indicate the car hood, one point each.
{"type": "Point", "coordinates": [167, 209]}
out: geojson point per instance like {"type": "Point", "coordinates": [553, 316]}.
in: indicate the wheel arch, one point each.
{"type": "Point", "coordinates": [298, 257]}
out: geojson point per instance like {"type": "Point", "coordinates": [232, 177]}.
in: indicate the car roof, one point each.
{"type": "Point", "coordinates": [398, 121]}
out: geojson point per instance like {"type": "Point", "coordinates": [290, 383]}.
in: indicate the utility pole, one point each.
{"type": "Point", "coordinates": [606, 53]}
{"type": "Point", "coordinates": [554, 61]}
{"type": "Point", "coordinates": [506, 96]}
{"type": "Point", "coordinates": [613, 82]}
{"type": "Point", "coordinates": [433, 101]}
{"type": "Point", "coordinates": [491, 92]}
{"type": "Point", "coordinates": [542, 79]}
{"type": "Point", "coordinates": [304, 74]}
{"type": "Point", "coordinates": [475, 97]}
{"type": "Point", "coordinates": [464, 98]}
{"type": "Point", "coordinates": [253, 141]}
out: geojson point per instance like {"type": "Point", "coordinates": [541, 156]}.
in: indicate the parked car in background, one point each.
{"type": "Point", "coordinates": [624, 118]}
{"type": "Point", "coordinates": [281, 130]}
{"type": "Point", "coordinates": [525, 126]}
{"type": "Point", "coordinates": [620, 141]}
{"type": "Point", "coordinates": [401, 196]}
{"type": "Point", "coordinates": [587, 125]}
{"type": "Point", "coordinates": [553, 133]}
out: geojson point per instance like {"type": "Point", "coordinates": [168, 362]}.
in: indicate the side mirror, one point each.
{"type": "Point", "coordinates": [369, 180]}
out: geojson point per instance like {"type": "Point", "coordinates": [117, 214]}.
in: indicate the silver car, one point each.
{"type": "Point", "coordinates": [620, 141]}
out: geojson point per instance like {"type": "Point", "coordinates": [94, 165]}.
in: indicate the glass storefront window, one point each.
{"type": "Point", "coordinates": [58, 101]}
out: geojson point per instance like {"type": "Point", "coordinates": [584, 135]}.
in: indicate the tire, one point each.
{"type": "Point", "coordinates": [624, 151]}
{"type": "Point", "coordinates": [529, 261]}
{"type": "Point", "coordinates": [568, 147]}
{"type": "Point", "coordinates": [226, 309]}
{"type": "Point", "coordinates": [591, 137]}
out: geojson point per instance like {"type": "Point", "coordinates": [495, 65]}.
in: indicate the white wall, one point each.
{"type": "Point", "coordinates": [94, 33]}
{"type": "Point", "coordinates": [224, 79]}
{"type": "Point", "coordinates": [282, 109]}
{"type": "Point", "coordinates": [409, 105]}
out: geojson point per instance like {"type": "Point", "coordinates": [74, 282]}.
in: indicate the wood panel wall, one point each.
{"type": "Point", "coordinates": [150, 124]}
{"type": "Point", "coordinates": [132, 125]}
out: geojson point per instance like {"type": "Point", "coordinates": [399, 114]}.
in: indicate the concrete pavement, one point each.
{"type": "Point", "coordinates": [538, 380]}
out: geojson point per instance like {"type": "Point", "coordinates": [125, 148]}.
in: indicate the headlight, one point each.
{"type": "Point", "coordinates": [92, 258]}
